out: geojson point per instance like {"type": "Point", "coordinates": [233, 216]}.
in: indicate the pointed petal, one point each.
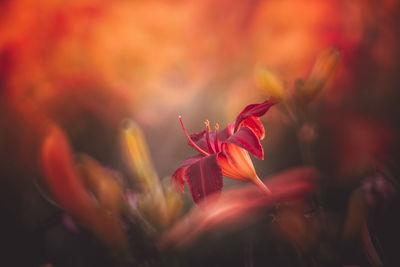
{"type": "Point", "coordinates": [248, 140]}
{"type": "Point", "coordinates": [236, 164]}
{"type": "Point", "coordinates": [253, 110]}
{"type": "Point", "coordinates": [255, 125]}
{"type": "Point", "coordinates": [225, 133]}
{"type": "Point", "coordinates": [178, 180]}
{"type": "Point", "coordinates": [204, 177]}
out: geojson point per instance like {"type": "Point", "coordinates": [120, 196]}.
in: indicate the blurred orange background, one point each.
{"type": "Point", "coordinates": [88, 65]}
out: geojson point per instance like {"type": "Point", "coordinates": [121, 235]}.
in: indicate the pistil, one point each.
{"type": "Point", "coordinates": [191, 141]}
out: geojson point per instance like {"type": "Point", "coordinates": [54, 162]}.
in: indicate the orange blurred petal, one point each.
{"type": "Point", "coordinates": [63, 179]}
{"type": "Point", "coordinates": [237, 207]}
{"type": "Point", "coordinates": [100, 212]}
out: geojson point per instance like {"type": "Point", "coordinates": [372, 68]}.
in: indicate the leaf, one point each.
{"type": "Point", "coordinates": [204, 177]}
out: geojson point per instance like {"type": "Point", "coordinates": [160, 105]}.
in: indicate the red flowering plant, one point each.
{"type": "Point", "coordinates": [224, 153]}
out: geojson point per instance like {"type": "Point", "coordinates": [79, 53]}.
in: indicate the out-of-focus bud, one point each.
{"type": "Point", "coordinates": [160, 206]}
{"type": "Point", "coordinates": [107, 191]}
{"type": "Point", "coordinates": [138, 156]}
{"type": "Point", "coordinates": [63, 179]}
{"type": "Point", "coordinates": [270, 84]}
{"type": "Point", "coordinates": [100, 213]}
{"type": "Point", "coordinates": [322, 70]}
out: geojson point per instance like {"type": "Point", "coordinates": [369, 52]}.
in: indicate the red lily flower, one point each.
{"type": "Point", "coordinates": [224, 153]}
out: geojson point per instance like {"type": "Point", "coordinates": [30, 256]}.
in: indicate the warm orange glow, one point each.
{"type": "Point", "coordinates": [90, 92]}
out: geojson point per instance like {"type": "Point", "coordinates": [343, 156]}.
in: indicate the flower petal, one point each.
{"type": "Point", "coordinates": [236, 164]}
{"type": "Point", "coordinates": [96, 206]}
{"type": "Point", "coordinates": [204, 177]}
{"type": "Point", "coordinates": [225, 133]}
{"type": "Point", "coordinates": [248, 140]}
{"type": "Point", "coordinates": [63, 178]}
{"type": "Point", "coordinates": [253, 110]}
{"type": "Point", "coordinates": [200, 140]}
{"type": "Point", "coordinates": [178, 180]}
{"type": "Point", "coordinates": [255, 125]}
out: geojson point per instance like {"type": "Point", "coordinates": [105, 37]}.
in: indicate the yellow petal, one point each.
{"type": "Point", "coordinates": [159, 207]}
{"type": "Point", "coordinates": [137, 152]}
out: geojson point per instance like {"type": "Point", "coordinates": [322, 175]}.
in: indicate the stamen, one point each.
{"type": "Point", "coordinates": [216, 138]}
{"type": "Point", "coordinates": [191, 141]}
{"type": "Point", "coordinates": [207, 123]}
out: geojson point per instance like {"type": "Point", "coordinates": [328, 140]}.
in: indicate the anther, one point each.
{"type": "Point", "coordinates": [216, 127]}
{"type": "Point", "coordinates": [210, 148]}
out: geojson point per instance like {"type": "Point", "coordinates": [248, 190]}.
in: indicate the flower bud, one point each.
{"type": "Point", "coordinates": [270, 84]}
